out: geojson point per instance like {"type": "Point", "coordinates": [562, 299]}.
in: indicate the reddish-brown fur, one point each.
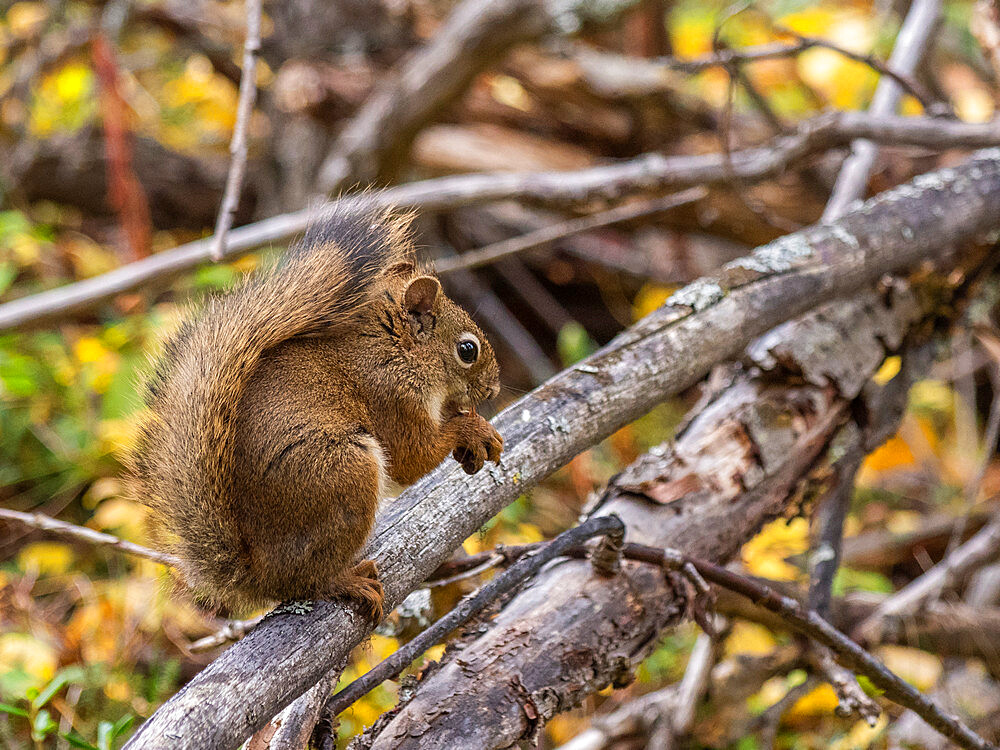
{"type": "Point", "coordinates": [276, 414]}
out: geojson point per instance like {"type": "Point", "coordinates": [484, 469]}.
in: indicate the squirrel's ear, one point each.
{"type": "Point", "coordinates": [421, 294]}
{"type": "Point", "coordinates": [403, 268]}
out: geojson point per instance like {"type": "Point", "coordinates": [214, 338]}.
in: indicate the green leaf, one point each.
{"type": "Point", "coordinates": [574, 343]}
{"type": "Point", "coordinates": [43, 726]}
{"type": "Point", "coordinates": [8, 272]}
{"type": "Point", "coordinates": [122, 725]}
{"type": "Point", "coordinates": [13, 710]}
{"type": "Point", "coordinates": [77, 741]}
{"type": "Point", "coordinates": [69, 674]}
{"type": "Point", "coordinates": [105, 735]}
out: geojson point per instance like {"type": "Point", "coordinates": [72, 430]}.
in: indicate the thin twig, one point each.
{"type": "Point", "coordinates": [903, 78]}
{"type": "Point", "coordinates": [82, 534]}
{"type": "Point", "coordinates": [239, 146]}
{"type": "Point", "coordinates": [232, 632]}
{"type": "Point", "coordinates": [468, 608]}
{"type": "Point", "coordinates": [815, 627]}
{"type": "Point", "coordinates": [911, 44]}
{"type": "Point", "coordinates": [981, 549]}
{"type": "Point", "coordinates": [651, 172]}
{"type": "Point", "coordinates": [554, 232]}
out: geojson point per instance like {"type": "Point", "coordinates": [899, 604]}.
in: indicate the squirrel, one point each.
{"type": "Point", "coordinates": [275, 415]}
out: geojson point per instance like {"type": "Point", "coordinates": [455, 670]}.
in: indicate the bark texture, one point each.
{"type": "Point", "coordinates": [706, 322]}
{"type": "Point", "coordinates": [735, 466]}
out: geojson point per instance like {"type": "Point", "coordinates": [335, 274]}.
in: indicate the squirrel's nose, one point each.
{"type": "Point", "coordinates": [494, 391]}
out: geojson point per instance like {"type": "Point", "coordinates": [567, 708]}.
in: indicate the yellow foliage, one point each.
{"type": "Point", "coordinates": [24, 652]}
{"type": "Point", "coordinates": [24, 19]}
{"type": "Point", "coordinates": [117, 435]}
{"type": "Point", "coordinates": [88, 258]}
{"type": "Point", "coordinates": [933, 395]}
{"type": "Point", "coordinates": [919, 668]}
{"type": "Point", "coordinates": [749, 638]}
{"type": "Point", "coordinates": [122, 516]}
{"type": "Point", "coordinates": [892, 454]}
{"type": "Point", "coordinates": [889, 369]}
{"type": "Point", "coordinates": [821, 701]}
{"type": "Point", "coordinates": [564, 727]}
{"type": "Point", "coordinates": [691, 34]}
{"type": "Point", "coordinates": [64, 100]}
{"type": "Point", "coordinates": [650, 297]}
{"type": "Point", "coordinates": [27, 250]}
{"type": "Point", "coordinates": [861, 735]}
{"type": "Point", "coordinates": [46, 558]}
{"type": "Point", "coordinates": [765, 554]}
{"type": "Point", "coordinates": [118, 689]}
{"type": "Point", "coordinates": [89, 349]}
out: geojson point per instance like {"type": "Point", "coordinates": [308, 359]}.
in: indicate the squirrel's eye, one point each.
{"type": "Point", "coordinates": [467, 350]}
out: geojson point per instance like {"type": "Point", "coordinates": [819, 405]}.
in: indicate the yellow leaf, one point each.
{"type": "Point", "coordinates": [919, 668]}
{"type": "Point", "coordinates": [73, 82]}
{"type": "Point", "coordinates": [24, 18]}
{"type": "Point", "coordinates": [894, 453]}
{"type": "Point", "coordinates": [118, 689]}
{"type": "Point", "coordinates": [89, 349]}
{"type": "Point", "coordinates": [21, 651]}
{"type": "Point", "coordinates": [861, 735]}
{"type": "Point", "coordinates": [932, 395]}
{"type": "Point", "coordinates": [649, 298]}
{"type": "Point", "coordinates": [749, 638]}
{"type": "Point", "coordinates": [46, 558]}
{"type": "Point", "coordinates": [122, 516]}
{"type": "Point", "coordinates": [765, 554]}
{"type": "Point", "coordinates": [821, 701]}
{"type": "Point", "coordinates": [889, 369]}
{"type": "Point", "coordinates": [117, 435]}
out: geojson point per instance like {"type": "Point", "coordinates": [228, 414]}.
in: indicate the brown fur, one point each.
{"type": "Point", "coordinates": [276, 413]}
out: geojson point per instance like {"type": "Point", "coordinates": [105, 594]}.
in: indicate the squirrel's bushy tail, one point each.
{"type": "Point", "coordinates": [181, 465]}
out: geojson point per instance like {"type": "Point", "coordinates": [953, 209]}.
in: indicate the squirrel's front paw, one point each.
{"type": "Point", "coordinates": [478, 442]}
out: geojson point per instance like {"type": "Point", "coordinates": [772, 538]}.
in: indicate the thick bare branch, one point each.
{"type": "Point", "coordinates": [667, 351]}
{"type": "Point", "coordinates": [730, 469]}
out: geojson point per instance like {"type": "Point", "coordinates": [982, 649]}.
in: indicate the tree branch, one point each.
{"type": "Point", "coordinates": [649, 173]}
{"type": "Point", "coordinates": [73, 532]}
{"type": "Point", "coordinates": [239, 146]}
{"type": "Point", "coordinates": [664, 353]}
{"type": "Point", "coordinates": [906, 55]}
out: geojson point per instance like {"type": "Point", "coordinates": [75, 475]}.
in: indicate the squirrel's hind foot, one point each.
{"type": "Point", "coordinates": [361, 583]}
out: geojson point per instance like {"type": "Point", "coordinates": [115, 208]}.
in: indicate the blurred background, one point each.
{"type": "Point", "coordinates": [115, 124]}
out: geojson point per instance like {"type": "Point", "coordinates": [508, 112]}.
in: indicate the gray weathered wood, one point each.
{"type": "Point", "coordinates": [708, 321]}
{"type": "Point", "coordinates": [569, 633]}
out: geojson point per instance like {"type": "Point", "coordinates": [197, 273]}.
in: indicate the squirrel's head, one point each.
{"type": "Point", "coordinates": [442, 334]}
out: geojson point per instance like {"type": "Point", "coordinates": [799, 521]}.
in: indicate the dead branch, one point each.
{"type": "Point", "coordinates": [477, 33]}
{"type": "Point", "coordinates": [981, 549]}
{"type": "Point", "coordinates": [239, 145]}
{"type": "Point", "coordinates": [547, 235]}
{"type": "Point", "coordinates": [649, 173]}
{"type": "Point", "coordinates": [667, 351]}
{"type": "Point", "coordinates": [70, 531]}
{"type": "Point", "coordinates": [909, 49]}
{"type": "Point", "coordinates": [525, 568]}
{"type": "Point", "coordinates": [848, 652]}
